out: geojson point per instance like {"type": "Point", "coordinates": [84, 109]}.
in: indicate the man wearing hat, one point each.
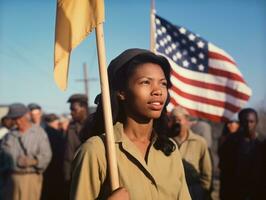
{"type": "Point", "coordinates": [79, 113]}
{"type": "Point", "coordinates": [29, 151]}
{"type": "Point", "coordinates": [194, 151]}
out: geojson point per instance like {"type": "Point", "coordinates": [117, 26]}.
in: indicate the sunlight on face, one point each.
{"type": "Point", "coordinates": [147, 92]}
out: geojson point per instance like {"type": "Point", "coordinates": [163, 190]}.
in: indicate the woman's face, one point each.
{"type": "Point", "coordinates": [146, 93]}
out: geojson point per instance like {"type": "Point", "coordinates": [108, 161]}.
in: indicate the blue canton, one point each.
{"type": "Point", "coordinates": [186, 49]}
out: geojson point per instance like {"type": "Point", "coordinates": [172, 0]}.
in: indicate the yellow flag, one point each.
{"type": "Point", "coordinates": [75, 19]}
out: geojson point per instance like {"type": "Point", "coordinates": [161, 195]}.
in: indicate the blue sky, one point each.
{"type": "Point", "coordinates": [27, 43]}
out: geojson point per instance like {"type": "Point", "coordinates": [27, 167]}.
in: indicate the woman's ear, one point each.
{"type": "Point", "coordinates": [121, 95]}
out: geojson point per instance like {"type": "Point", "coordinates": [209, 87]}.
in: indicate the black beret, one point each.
{"type": "Point", "coordinates": [129, 54]}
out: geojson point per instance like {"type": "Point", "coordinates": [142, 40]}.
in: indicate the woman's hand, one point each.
{"type": "Point", "coordinates": [119, 194]}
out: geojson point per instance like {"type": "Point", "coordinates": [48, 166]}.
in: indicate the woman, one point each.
{"type": "Point", "coordinates": [149, 165]}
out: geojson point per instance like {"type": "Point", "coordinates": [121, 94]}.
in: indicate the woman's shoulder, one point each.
{"type": "Point", "coordinates": [92, 147]}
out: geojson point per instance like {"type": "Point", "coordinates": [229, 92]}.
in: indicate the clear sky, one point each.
{"type": "Point", "coordinates": [27, 43]}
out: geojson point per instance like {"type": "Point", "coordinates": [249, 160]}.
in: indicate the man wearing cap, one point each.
{"type": "Point", "coordinates": [29, 151]}
{"type": "Point", "coordinates": [79, 113]}
{"type": "Point", "coordinates": [195, 155]}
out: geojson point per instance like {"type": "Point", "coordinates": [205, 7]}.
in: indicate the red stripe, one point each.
{"type": "Point", "coordinates": [200, 114]}
{"type": "Point", "coordinates": [204, 100]}
{"type": "Point", "coordinates": [218, 56]}
{"type": "Point", "coordinates": [211, 86]}
{"type": "Point", "coordinates": [226, 74]}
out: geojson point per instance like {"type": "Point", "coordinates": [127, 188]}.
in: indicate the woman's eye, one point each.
{"type": "Point", "coordinates": [164, 84]}
{"type": "Point", "coordinates": [145, 82]}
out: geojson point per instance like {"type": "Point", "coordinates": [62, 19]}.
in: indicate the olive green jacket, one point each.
{"type": "Point", "coordinates": [194, 150]}
{"type": "Point", "coordinates": [161, 178]}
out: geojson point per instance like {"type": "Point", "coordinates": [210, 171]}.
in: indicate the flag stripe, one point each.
{"type": "Point", "coordinates": [215, 49]}
{"type": "Point", "coordinates": [219, 64]}
{"type": "Point", "coordinates": [200, 114]}
{"type": "Point", "coordinates": [211, 86]}
{"type": "Point", "coordinates": [218, 56]}
{"type": "Point", "coordinates": [203, 107]}
{"type": "Point", "coordinates": [202, 99]}
{"type": "Point", "coordinates": [207, 93]}
{"type": "Point", "coordinates": [223, 73]}
{"type": "Point", "coordinates": [211, 81]}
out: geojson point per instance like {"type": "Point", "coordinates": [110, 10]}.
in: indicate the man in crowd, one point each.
{"type": "Point", "coordinates": [6, 124]}
{"type": "Point", "coordinates": [29, 153]}
{"type": "Point", "coordinates": [79, 113]}
{"type": "Point", "coordinates": [36, 114]}
{"type": "Point", "coordinates": [53, 184]}
{"type": "Point", "coordinates": [194, 151]}
{"type": "Point", "coordinates": [241, 161]}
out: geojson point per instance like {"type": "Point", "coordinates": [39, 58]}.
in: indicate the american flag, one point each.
{"type": "Point", "coordinates": [206, 80]}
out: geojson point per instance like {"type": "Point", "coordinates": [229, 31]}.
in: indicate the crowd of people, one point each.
{"type": "Point", "coordinates": [160, 154]}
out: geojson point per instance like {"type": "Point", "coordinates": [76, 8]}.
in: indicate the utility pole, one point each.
{"type": "Point", "coordinates": [86, 81]}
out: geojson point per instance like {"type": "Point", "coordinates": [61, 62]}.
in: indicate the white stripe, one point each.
{"type": "Point", "coordinates": [226, 66]}
{"type": "Point", "coordinates": [198, 106]}
{"type": "Point", "coordinates": [206, 93]}
{"type": "Point", "coordinates": [211, 79]}
{"type": "Point", "coordinates": [216, 49]}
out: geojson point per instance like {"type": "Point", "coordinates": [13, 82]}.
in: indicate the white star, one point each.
{"type": "Point", "coordinates": [165, 41]}
{"type": "Point", "coordinates": [192, 48]}
{"type": "Point", "coordinates": [201, 67]}
{"type": "Point", "coordinates": [173, 46]}
{"type": "Point", "coordinates": [201, 56]}
{"type": "Point", "coordinates": [157, 46]}
{"type": "Point", "coordinates": [191, 37]}
{"type": "Point", "coordinates": [185, 63]}
{"type": "Point", "coordinates": [163, 29]}
{"type": "Point", "coordinates": [166, 51]}
{"type": "Point", "coordinates": [194, 60]}
{"type": "Point", "coordinates": [200, 44]}
{"type": "Point", "coordinates": [161, 43]}
{"type": "Point", "coordinates": [159, 32]}
{"type": "Point", "coordinates": [182, 30]}
{"type": "Point", "coordinates": [169, 49]}
{"type": "Point", "coordinates": [178, 55]}
{"type": "Point", "coordinates": [157, 21]}
{"type": "Point", "coordinates": [177, 44]}
{"type": "Point", "coordinates": [169, 38]}
{"type": "Point", "coordinates": [174, 58]}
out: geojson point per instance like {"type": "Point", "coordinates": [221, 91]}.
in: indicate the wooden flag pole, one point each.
{"type": "Point", "coordinates": [111, 153]}
{"type": "Point", "coordinates": [152, 27]}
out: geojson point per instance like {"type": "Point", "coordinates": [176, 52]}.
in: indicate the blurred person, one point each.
{"type": "Point", "coordinates": [64, 121]}
{"type": "Point", "coordinates": [36, 114]}
{"type": "Point", "coordinates": [195, 155]}
{"type": "Point", "coordinates": [241, 161]}
{"type": "Point", "coordinates": [53, 183]}
{"type": "Point", "coordinates": [79, 113]}
{"type": "Point", "coordinates": [230, 127]}
{"type": "Point", "coordinates": [6, 124]}
{"type": "Point", "coordinates": [149, 164]}
{"type": "Point", "coordinates": [28, 147]}
{"type": "Point", "coordinates": [203, 129]}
